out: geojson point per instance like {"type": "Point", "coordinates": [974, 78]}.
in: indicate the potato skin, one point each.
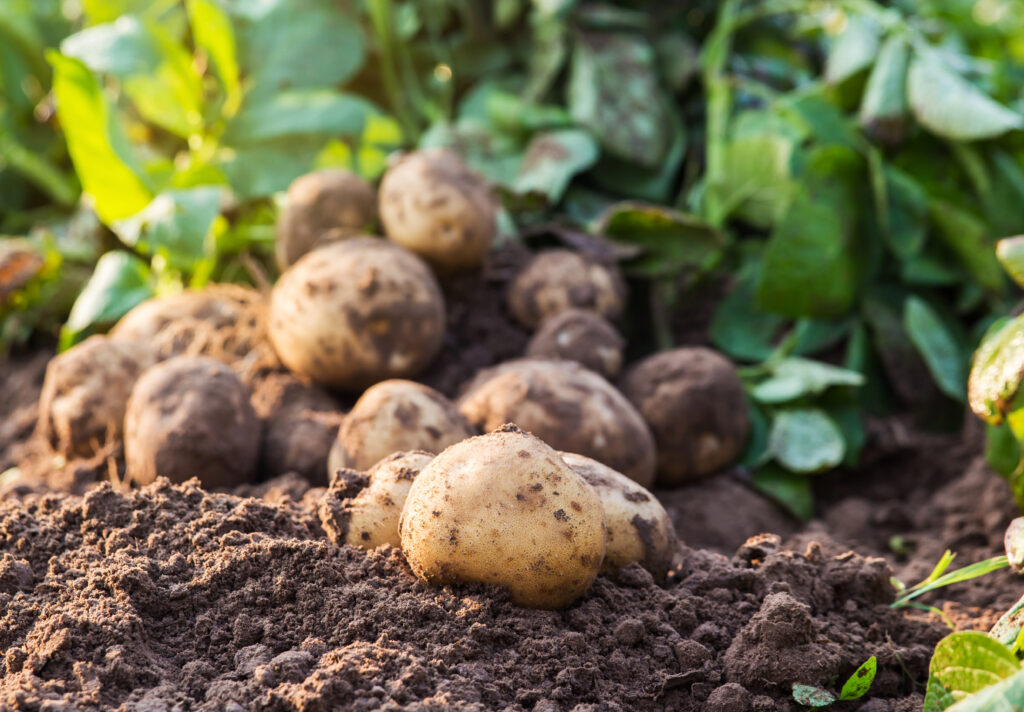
{"type": "Point", "coordinates": [322, 207]}
{"type": "Point", "coordinates": [355, 312]}
{"type": "Point", "coordinates": [567, 406]}
{"type": "Point", "coordinates": [82, 403]}
{"type": "Point", "coordinates": [693, 400]}
{"type": "Point", "coordinates": [639, 528]}
{"type": "Point", "coordinates": [393, 416]}
{"type": "Point", "coordinates": [557, 280]}
{"type": "Point", "coordinates": [433, 204]}
{"type": "Point", "coordinates": [363, 509]}
{"type": "Point", "coordinates": [191, 417]}
{"type": "Point", "coordinates": [504, 509]}
{"type": "Point", "coordinates": [580, 336]}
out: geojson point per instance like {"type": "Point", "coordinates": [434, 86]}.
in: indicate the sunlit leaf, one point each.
{"type": "Point", "coordinates": [1010, 253]}
{"type": "Point", "coordinates": [120, 281]}
{"type": "Point", "coordinates": [214, 34]}
{"type": "Point", "coordinates": [964, 663]}
{"type": "Point", "coordinates": [860, 681]}
{"type": "Point", "coordinates": [300, 112]}
{"type": "Point", "coordinates": [176, 224]}
{"type": "Point", "coordinates": [995, 379]}
{"type": "Point", "coordinates": [854, 49]}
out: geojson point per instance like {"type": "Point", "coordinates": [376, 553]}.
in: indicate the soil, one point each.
{"type": "Point", "coordinates": [171, 597]}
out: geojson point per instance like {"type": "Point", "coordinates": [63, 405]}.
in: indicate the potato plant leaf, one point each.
{"type": "Point", "coordinates": [737, 327]}
{"type": "Point", "coordinates": [854, 49]}
{"type": "Point", "coordinates": [860, 681]}
{"type": "Point", "coordinates": [757, 181]}
{"type": "Point", "coordinates": [965, 663]}
{"type": "Point", "coordinates": [805, 440]}
{"type": "Point", "coordinates": [790, 490]}
{"type": "Point", "coordinates": [883, 109]}
{"type": "Point", "coordinates": [120, 281]}
{"type": "Point", "coordinates": [1005, 696]}
{"type": "Point", "coordinates": [1010, 253]}
{"type": "Point", "coordinates": [795, 377]}
{"type": "Point", "coordinates": [995, 378]}
{"type": "Point", "coordinates": [810, 696]}
{"type": "Point", "coordinates": [300, 112]}
{"type": "Point", "coordinates": [552, 160]}
{"type": "Point", "coordinates": [937, 347]}
{"type": "Point", "coordinates": [967, 236]}
{"type": "Point", "coordinates": [176, 225]}
{"type": "Point", "coordinates": [672, 240]}
{"type": "Point", "coordinates": [214, 34]}
{"type": "Point", "coordinates": [1013, 542]}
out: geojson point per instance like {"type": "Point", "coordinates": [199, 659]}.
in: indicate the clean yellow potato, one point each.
{"type": "Point", "coordinates": [557, 280]}
{"type": "Point", "coordinates": [504, 509]}
{"type": "Point", "coordinates": [363, 510]}
{"type": "Point", "coordinates": [393, 416]}
{"type": "Point", "coordinates": [355, 312]}
{"type": "Point", "coordinates": [433, 204]}
{"type": "Point", "coordinates": [639, 528]}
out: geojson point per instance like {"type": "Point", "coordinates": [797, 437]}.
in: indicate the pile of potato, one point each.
{"type": "Point", "coordinates": [552, 494]}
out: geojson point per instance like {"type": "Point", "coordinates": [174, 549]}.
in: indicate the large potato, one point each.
{"type": "Point", "coordinates": [355, 312]}
{"type": "Point", "coordinates": [433, 204]}
{"type": "Point", "coordinates": [568, 407]}
{"type": "Point", "coordinates": [363, 510]}
{"type": "Point", "coordinates": [580, 336]}
{"type": "Point", "coordinates": [81, 406]}
{"type": "Point", "coordinates": [504, 509]}
{"type": "Point", "coordinates": [323, 206]}
{"type": "Point", "coordinates": [694, 402]}
{"type": "Point", "coordinates": [639, 528]}
{"type": "Point", "coordinates": [393, 416]}
{"type": "Point", "coordinates": [557, 280]}
{"type": "Point", "coordinates": [191, 417]}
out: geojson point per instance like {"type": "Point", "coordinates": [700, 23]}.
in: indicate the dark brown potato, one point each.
{"type": "Point", "coordinates": [81, 407]}
{"type": "Point", "coordinates": [323, 207]}
{"type": "Point", "coordinates": [557, 280]}
{"type": "Point", "coordinates": [580, 336]}
{"type": "Point", "coordinates": [355, 312]}
{"type": "Point", "coordinates": [693, 400]}
{"type": "Point", "coordinates": [191, 417]}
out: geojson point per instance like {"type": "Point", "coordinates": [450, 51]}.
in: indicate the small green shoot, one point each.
{"type": "Point", "coordinates": [855, 687]}
{"type": "Point", "coordinates": [939, 579]}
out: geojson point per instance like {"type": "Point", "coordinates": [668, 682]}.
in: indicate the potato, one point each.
{"type": "Point", "coordinates": [432, 204]}
{"type": "Point", "coordinates": [323, 207]}
{"type": "Point", "coordinates": [693, 400]}
{"type": "Point", "coordinates": [363, 510]}
{"type": "Point", "coordinates": [568, 407]}
{"type": "Point", "coordinates": [190, 416]}
{"type": "Point", "coordinates": [396, 415]}
{"type": "Point", "coordinates": [504, 509]}
{"type": "Point", "coordinates": [580, 336]}
{"type": "Point", "coordinates": [355, 312]}
{"type": "Point", "coordinates": [81, 406]}
{"type": "Point", "coordinates": [639, 528]}
{"type": "Point", "coordinates": [556, 280]}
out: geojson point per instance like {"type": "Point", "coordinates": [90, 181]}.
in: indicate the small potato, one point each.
{"type": "Point", "coordinates": [355, 312]}
{"type": "Point", "coordinates": [81, 406]}
{"type": "Point", "coordinates": [504, 509]}
{"type": "Point", "coordinates": [568, 407]}
{"type": "Point", "coordinates": [323, 207]}
{"type": "Point", "coordinates": [433, 204]}
{"type": "Point", "coordinates": [191, 417]}
{"type": "Point", "coordinates": [694, 402]}
{"type": "Point", "coordinates": [363, 510]}
{"type": "Point", "coordinates": [580, 336]}
{"type": "Point", "coordinates": [557, 280]}
{"type": "Point", "coordinates": [396, 415]}
{"type": "Point", "coordinates": [639, 528]}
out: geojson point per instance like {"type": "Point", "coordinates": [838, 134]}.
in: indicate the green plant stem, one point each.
{"type": "Point", "coordinates": [382, 18]}
{"type": "Point", "coordinates": [719, 98]}
{"type": "Point", "coordinates": [38, 170]}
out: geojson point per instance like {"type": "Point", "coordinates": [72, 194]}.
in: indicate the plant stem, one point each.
{"type": "Point", "coordinates": [38, 170]}
{"type": "Point", "coordinates": [719, 98]}
{"type": "Point", "coordinates": [382, 18]}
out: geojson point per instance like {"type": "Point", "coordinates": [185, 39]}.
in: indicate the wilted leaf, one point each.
{"type": "Point", "coordinates": [300, 112]}
{"type": "Point", "coordinates": [860, 681]}
{"type": "Point", "coordinates": [810, 696]}
{"type": "Point", "coordinates": [937, 347]}
{"type": "Point", "coordinates": [964, 663]}
{"type": "Point", "coordinates": [214, 34]}
{"type": "Point", "coordinates": [806, 440]}
{"type": "Point", "coordinates": [854, 49]}
{"type": "Point", "coordinates": [672, 240]}
{"type": "Point", "coordinates": [883, 110]}
{"type": "Point", "coordinates": [119, 282]}
{"type": "Point", "coordinates": [995, 379]}
{"type": "Point", "coordinates": [551, 161]}
{"type": "Point", "coordinates": [176, 225]}
{"type": "Point", "coordinates": [1010, 253]}
{"type": "Point", "coordinates": [793, 378]}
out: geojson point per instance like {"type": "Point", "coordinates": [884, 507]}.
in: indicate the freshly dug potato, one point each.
{"type": "Point", "coordinates": [191, 417]}
{"type": "Point", "coordinates": [322, 207]}
{"type": "Point", "coordinates": [556, 280]}
{"type": "Point", "coordinates": [363, 509]}
{"type": "Point", "coordinates": [504, 509]}
{"type": "Point", "coordinates": [81, 406]}
{"type": "Point", "coordinates": [639, 528]}
{"type": "Point", "coordinates": [580, 336]}
{"type": "Point", "coordinates": [433, 204]}
{"type": "Point", "coordinates": [693, 400]}
{"type": "Point", "coordinates": [396, 415]}
{"type": "Point", "coordinates": [355, 312]}
{"type": "Point", "coordinates": [567, 406]}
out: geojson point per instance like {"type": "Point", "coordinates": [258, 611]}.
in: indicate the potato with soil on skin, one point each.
{"type": "Point", "coordinates": [191, 417]}
{"type": "Point", "coordinates": [504, 509]}
{"type": "Point", "coordinates": [693, 400]}
{"type": "Point", "coordinates": [82, 403]}
{"type": "Point", "coordinates": [363, 509]}
{"type": "Point", "coordinates": [433, 204]}
{"type": "Point", "coordinates": [355, 312]}
{"type": "Point", "coordinates": [639, 528]}
{"type": "Point", "coordinates": [570, 408]}
{"type": "Point", "coordinates": [393, 416]}
{"type": "Point", "coordinates": [322, 207]}
{"type": "Point", "coordinates": [580, 336]}
{"type": "Point", "coordinates": [557, 280]}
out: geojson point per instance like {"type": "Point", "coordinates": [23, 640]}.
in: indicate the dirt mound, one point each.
{"type": "Point", "coordinates": [170, 596]}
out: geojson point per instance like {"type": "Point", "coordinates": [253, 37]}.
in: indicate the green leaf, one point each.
{"type": "Point", "coordinates": [794, 377]}
{"type": "Point", "coordinates": [860, 681]}
{"type": "Point", "coordinates": [790, 490]}
{"type": "Point", "coordinates": [176, 225]}
{"type": "Point", "coordinates": [964, 663]}
{"type": "Point", "coordinates": [300, 112]}
{"type": "Point", "coordinates": [1010, 253]}
{"type": "Point", "coordinates": [806, 440]}
{"type": "Point", "coordinates": [967, 237]}
{"type": "Point", "coordinates": [951, 107]}
{"type": "Point", "coordinates": [883, 110]}
{"type": "Point", "coordinates": [1013, 542]}
{"type": "Point", "coordinates": [551, 161]}
{"type": "Point", "coordinates": [119, 282]}
{"type": "Point", "coordinates": [672, 240]}
{"type": "Point", "coordinates": [937, 347]}
{"type": "Point", "coordinates": [109, 171]}
{"type": "Point", "coordinates": [810, 696]}
{"type": "Point", "coordinates": [854, 49]}
{"type": "Point", "coordinates": [1005, 696]}
{"type": "Point", "coordinates": [995, 379]}
{"type": "Point", "coordinates": [1002, 451]}
{"type": "Point", "coordinates": [213, 33]}
{"type": "Point", "coordinates": [906, 221]}
{"type": "Point", "coordinates": [757, 183]}
{"type": "Point", "coordinates": [738, 327]}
